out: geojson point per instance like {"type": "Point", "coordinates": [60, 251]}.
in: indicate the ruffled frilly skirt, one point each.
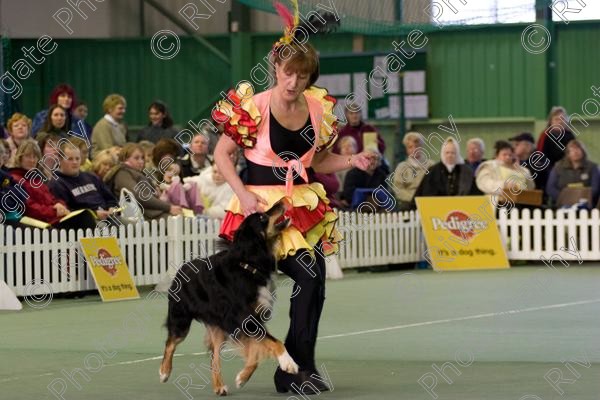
{"type": "Point", "coordinates": [311, 219]}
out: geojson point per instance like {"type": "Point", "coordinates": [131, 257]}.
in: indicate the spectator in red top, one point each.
{"type": "Point", "coordinates": [553, 140]}
{"type": "Point", "coordinates": [356, 128]}
{"type": "Point", "coordinates": [40, 204]}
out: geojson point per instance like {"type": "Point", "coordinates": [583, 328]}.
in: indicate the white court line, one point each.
{"type": "Point", "coordinates": [478, 316]}
{"type": "Point", "coordinates": [391, 328]}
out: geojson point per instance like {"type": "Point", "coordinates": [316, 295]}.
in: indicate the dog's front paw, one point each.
{"type": "Point", "coordinates": [287, 363]}
{"type": "Point", "coordinates": [239, 380]}
{"type": "Point", "coordinates": [221, 390]}
{"type": "Point", "coordinates": [163, 376]}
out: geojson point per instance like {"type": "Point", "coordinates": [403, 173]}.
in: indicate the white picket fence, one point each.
{"type": "Point", "coordinates": [38, 261]}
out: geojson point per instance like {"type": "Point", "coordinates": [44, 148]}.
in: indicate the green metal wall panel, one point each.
{"type": "Point", "coordinates": [475, 73]}
{"type": "Point", "coordinates": [578, 63]}
{"type": "Point", "coordinates": [189, 83]}
{"type": "Point", "coordinates": [484, 73]}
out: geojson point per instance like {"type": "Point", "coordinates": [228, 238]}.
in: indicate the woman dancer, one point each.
{"type": "Point", "coordinates": [286, 132]}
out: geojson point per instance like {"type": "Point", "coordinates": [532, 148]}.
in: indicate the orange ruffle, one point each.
{"type": "Point", "coordinates": [239, 116]}
{"type": "Point", "coordinates": [329, 127]}
{"type": "Point", "coordinates": [311, 219]}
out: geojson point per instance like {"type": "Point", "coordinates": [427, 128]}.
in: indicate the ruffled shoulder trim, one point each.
{"type": "Point", "coordinates": [239, 115]}
{"type": "Point", "coordinates": [328, 131]}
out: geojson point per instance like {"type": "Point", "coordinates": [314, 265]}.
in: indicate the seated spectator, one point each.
{"type": "Point", "coordinates": [42, 204]}
{"type": "Point", "coordinates": [148, 149]}
{"type": "Point", "coordinates": [192, 164]}
{"type": "Point", "coordinates": [128, 174]}
{"type": "Point", "coordinates": [80, 189]}
{"type": "Point", "coordinates": [409, 174]}
{"type": "Point", "coordinates": [50, 154]}
{"type": "Point", "coordinates": [81, 113]}
{"type": "Point", "coordinates": [574, 170]}
{"type": "Point", "coordinates": [164, 154]}
{"type": "Point", "coordinates": [475, 152]}
{"type": "Point", "coordinates": [104, 161]}
{"type": "Point", "coordinates": [214, 190]}
{"type": "Point", "coordinates": [553, 140]}
{"type": "Point", "coordinates": [523, 146]}
{"type": "Point", "coordinates": [86, 163]}
{"type": "Point", "coordinates": [180, 194]}
{"type": "Point", "coordinates": [372, 178]}
{"type": "Point", "coordinates": [160, 126]}
{"type": "Point", "coordinates": [347, 147]}
{"type": "Point", "coordinates": [115, 151]}
{"type": "Point", "coordinates": [4, 153]}
{"type": "Point", "coordinates": [13, 200]}
{"type": "Point", "coordinates": [63, 95]}
{"type": "Point", "coordinates": [18, 130]}
{"type": "Point", "coordinates": [356, 128]}
{"type": "Point", "coordinates": [110, 129]}
{"type": "Point", "coordinates": [56, 123]}
{"type": "Point", "coordinates": [503, 172]}
{"type": "Point", "coordinates": [449, 177]}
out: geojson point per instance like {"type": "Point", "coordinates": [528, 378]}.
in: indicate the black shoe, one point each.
{"type": "Point", "coordinates": [285, 382]}
{"type": "Point", "coordinates": [319, 382]}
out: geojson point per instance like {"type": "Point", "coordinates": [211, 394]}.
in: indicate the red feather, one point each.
{"type": "Point", "coordinates": [286, 15]}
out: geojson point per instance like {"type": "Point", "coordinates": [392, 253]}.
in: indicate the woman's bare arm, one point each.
{"type": "Point", "coordinates": [223, 151]}
{"type": "Point", "coordinates": [248, 201]}
{"type": "Point", "coordinates": [326, 162]}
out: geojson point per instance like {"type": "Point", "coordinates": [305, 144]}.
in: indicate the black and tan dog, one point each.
{"type": "Point", "coordinates": [225, 292]}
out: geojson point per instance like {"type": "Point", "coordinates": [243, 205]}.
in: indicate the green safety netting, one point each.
{"type": "Point", "coordinates": [398, 17]}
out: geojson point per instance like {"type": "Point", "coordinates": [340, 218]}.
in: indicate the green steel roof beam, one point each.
{"type": "Point", "coordinates": [174, 19]}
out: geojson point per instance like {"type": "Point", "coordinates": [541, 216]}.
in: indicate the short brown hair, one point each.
{"type": "Point", "coordinates": [304, 60]}
{"type": "Point", "coordinates": [164, 147]}
{"type": "Point", "coordinates": [70, 143]}
{"type": "Point", "coordinates": [128, 149]}
{"type": "Point", "coordinates": [26, 147]}
{"type": "Point", "coordinates": [17, 117]}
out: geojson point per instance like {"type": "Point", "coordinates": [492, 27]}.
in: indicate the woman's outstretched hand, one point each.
{"type": "Point", "coordinates": [251, 203]}
{"type": "Point", "coordinates": [365, 160]}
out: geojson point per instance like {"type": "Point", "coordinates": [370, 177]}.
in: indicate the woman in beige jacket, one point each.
{"type": "Point", "coordinates": [110, 130]}
{"type": "Point", "coordinates": [503, 172]}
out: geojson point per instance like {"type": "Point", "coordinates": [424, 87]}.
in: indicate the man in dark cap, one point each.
{"type": "Point", "coordinates": [523, 146]}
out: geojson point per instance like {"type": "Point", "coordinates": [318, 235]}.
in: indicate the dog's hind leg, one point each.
{"type": "Point", "coordinates": [252, 353]}
{"type": "Point", "coordinates": [215, 337]}
{"type": "Point", "coordinates": [166, 365]}
{"type": "Point", "coordinates": [178, 328]}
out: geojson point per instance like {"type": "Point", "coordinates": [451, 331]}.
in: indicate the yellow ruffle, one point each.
{"type": "Point", "coordinates": [292, 240]}
{"type": "Point", "coordinates": [328, 131]}
{"type": "Point", "coordinates": [244, 92]}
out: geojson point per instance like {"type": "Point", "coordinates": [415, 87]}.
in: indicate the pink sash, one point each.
{"type": "Point", "coordinates": [263, 154]}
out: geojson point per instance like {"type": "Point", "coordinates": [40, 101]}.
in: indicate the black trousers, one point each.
{"type": "Point", "coordinates": [306, 304]}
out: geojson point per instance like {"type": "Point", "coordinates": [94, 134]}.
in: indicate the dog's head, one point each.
{"type": "Point", "coordinates": [266, 225]}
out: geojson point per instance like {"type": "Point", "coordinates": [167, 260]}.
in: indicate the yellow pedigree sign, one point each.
{"type": "Point", "coordinates": [461, 233]}
{"type": "Point", "coordinates": [109, 269]}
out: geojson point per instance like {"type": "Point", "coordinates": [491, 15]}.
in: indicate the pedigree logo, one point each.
{"type": "Point", "coordinates": [106, 261]}
{"type": "Point", "coordinates": [459, 224]}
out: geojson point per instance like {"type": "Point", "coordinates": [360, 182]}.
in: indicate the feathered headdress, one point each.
{"type": "Point", "coordinates": [324, 23]}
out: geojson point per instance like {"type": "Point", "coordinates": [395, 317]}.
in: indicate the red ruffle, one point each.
{"type": "Point", "coordinates": [245, 120]}
{"type": "Point", "coordinates": [301, 218]}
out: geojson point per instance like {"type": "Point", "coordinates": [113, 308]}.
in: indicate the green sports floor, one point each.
{"type": "Point", "coordinates": [527, 333]}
